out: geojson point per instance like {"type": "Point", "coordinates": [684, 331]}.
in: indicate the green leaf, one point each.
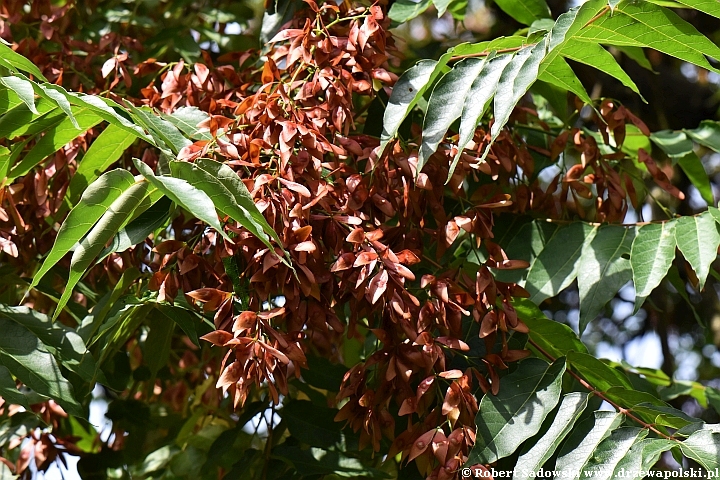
{"type": "Point", "coordinates": [105, 109]}
{"type": "Point", "coordinates": [584, 441]}
{"type": "Point", "coordinates": [185, 319]}
{"type": "Point", "coordinates": [403, 10]}
{"type": "Point", "coordinates": [8, 389]}
{"type": "Point", "coordinates": [707, 135]}
{"type": "Point", "coordinates": [100, 234]}
{"type": "Point", "coordinates": [525, 11]}
{"type": "Point", "coordinates": [107, 148]}
{"type": "Point", "coordinates": [644, 24]}
{"type": "Point", "coordinates": [554, 338]}
{"type": "Point", "coordinates": [140, 228]}
{"type": "Point", "coordinates": [54, 139]}
{"type": "Point", "coordinates": [693, 168]}
{"type": "Point", "coordinates": [55, 94]}
{"type": "Point", "coordinates": [441, 6]}
{"type": "Point", "coordinates": [405, 94]}
{"type": "Point", "coordinates": [446, 104]}
{"type": "Point", "coordinates": [540, 451]}
{"type": "Point", "coordinates": [663, 415]}
{"type": "Point", "coordinates": [93, 204]}
{"type": "Point", "coordinates": [651, 254]}
{"type": "Point", "coordinates": [186, 195]}
{"type": "Point", "coordinates": [60, 340]}
{"type": "Point", "coordinates": [157, 344]}
{"type": "Point", "coordinates": [674, 144]}
{"type": "Point", "coordinates": [611, 451]}
{"type": "Point", "coordinates": [526, 244]}
{"type": "Point", "coordinates": [598, 374]}
{"type": "Point", "coordinates": [506, 420]}
{"type": "Point", "coordinates": [476, 102]}
{"type": "Point", "coordinates": [163, 129]}
{"type": "Point", "coordinates": [555, 268]}
{"type": "Point", "coordinates": [29, 360]}
{"type": "Point", "coordinates": [21, 121]}
{"type": "Point", "coordinates": [187, 120]}
{"type": "Point", "coordinates": [567, 26]}
{"type": "Point", "coordinates": [515, 81]}
{"type": "Point", "coordinates": [11, 58]}
{"type": "Point", "coordinates": [603, 270]}
{"type": "Point", "coordinates": [23, 88]}
{"type": "Point", "coordinates": [641, 457]}
{"type": "Point", "coordinates": [711, 7]}
{"type": "Point", "coordinates": [698, 238]}
{"type": "Point", "coordinates": [703, 446]}
{"type": "Point", "coordinates": [596, 56]}
{"type": "Point", "coordinates": [221, 197]}
{"type": "Point", "coordinates": [560, 74]}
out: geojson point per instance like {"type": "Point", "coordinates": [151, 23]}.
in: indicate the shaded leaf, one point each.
{"type": "Point", "coordinates": [603, 270]}
{"type": "Point", "coordinates": [506, 420]}
{"type": "Point", "coordinates": [698, 238]}
{"type": "Point", "coordinates": [584, 441]}
{"type": "Point", "coordinates": [539, 452]}
{"type": "Point", "coordinates": [555, 268]}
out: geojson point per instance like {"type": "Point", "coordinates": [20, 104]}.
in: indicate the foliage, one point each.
{"type": "Point", "coordinates": [274, 257]}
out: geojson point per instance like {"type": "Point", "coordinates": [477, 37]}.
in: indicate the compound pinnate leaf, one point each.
{"type": "Point", "coordinates": [640, 458]}
{"type": "Point", "coordinates": [187, 120]}
{"type": "Point", "coordinates": [504, 421]}
{"type": "Point", "coordinates": [572, 406]}
{"type": "Point", "coordinates": [559, 73]}
{"type": "Point", "coordinates": [8, 389]}
{"type": "Point", "coordinates": [645, 24]}
{"type": "Point", "coordinates": [516, 79]}
{"type": "Point", "coordinates": [693, 168]}
{"type": "Point", "coordinates": [54, 139]}
{"type": "Point", "coordinates": [221, 197]}
{"type": "Point", "coordinates": [596, 56]}
{"type": "Point", "coordinates": [25, 355]}
{"type": "Point", "coordinates": [651, 255]}
{"type": "Point", "coordinates": [446, 105]}
{"type": "Point", "coordinates": [476, 102]}
{"type": "Point", "coordinates": [239, 191]}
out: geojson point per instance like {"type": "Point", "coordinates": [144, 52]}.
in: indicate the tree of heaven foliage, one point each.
{"type": "Point", "coordinates": [317, 240]}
